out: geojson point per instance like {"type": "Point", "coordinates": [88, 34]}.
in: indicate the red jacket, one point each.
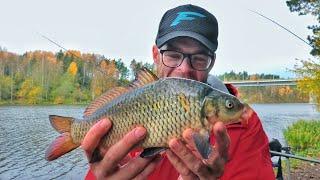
{"type": "Point", "coordinates": [249, 156]}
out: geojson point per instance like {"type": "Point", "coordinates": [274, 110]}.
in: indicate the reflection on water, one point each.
{"type": "Point", "coordinates": [25, 133]}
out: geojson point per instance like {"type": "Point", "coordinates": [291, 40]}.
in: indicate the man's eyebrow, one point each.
{"type": "Point", "coordinates": [169, 46]}
{"type": "Point", "coordinates": [200, 51]}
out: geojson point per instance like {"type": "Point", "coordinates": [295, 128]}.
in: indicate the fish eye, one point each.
{"type": "Point", "coordinates": [229, 104]}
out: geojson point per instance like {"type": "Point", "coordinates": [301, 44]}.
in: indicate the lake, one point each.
{"type": "Point", "coordinates": [25, 132]}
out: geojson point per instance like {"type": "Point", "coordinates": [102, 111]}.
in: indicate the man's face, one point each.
{"type": "Point", "coordinates": [185, 70]}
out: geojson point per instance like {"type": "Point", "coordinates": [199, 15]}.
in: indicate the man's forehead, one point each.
{"type": "Point", "coordinates": [181, 42]}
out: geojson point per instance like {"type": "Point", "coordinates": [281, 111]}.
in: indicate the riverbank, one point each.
{"type": "Point", "coordinates": [15, 103]}
{"type": "Point", "coordinates": [304, 139]}
{"type": "Point", "coordinates": [306, 171]}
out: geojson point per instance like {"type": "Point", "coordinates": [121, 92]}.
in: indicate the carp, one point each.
{"type": "Point", "coordinates": [165, 107]}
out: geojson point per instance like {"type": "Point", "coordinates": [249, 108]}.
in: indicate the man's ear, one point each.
{"type": "Point", "coordinates": [155, 54]}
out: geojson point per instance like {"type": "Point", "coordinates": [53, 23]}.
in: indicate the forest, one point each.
{"type": "Point", "coordinates": [72, 77]}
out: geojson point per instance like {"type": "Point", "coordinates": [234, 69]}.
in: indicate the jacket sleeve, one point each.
{"type": "Point", "coordinates": [249, 156]}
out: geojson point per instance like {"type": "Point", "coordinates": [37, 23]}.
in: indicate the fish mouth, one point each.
{"type": "Point", "coordinates": [246, 113]}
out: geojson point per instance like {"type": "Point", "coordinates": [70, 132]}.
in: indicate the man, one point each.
{"type": "Point", "coordinates": [185, 47]}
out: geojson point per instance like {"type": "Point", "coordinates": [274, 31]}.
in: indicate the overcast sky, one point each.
{"type": "Point", "coordinates": [127, 30]}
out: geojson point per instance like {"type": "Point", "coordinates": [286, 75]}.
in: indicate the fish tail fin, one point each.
{"type": "Point", "coordinates": [60, 146]}
{"type": "Point", "coordinates": [64, 143]}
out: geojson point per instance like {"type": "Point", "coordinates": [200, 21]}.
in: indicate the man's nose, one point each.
{"type": "Point", "coordinates": [185, 65]}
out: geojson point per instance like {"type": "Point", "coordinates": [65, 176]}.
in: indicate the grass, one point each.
{"type": "Point", "coordinates": [304, 139]}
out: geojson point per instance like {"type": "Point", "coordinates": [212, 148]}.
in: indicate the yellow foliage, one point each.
{"type": "Point", "coordinates": [310, 78]}
{"type": "Point", "coordinates": [105, 78]}
{"type": "Point", "coordinates": [89, 57]}
{"type": "Point", "coordinates": [53, 60]}
{"type": "Point", "coordinates": [73, 68]}
{"type": "Point", "coordinates": [73, 53]}
{"type": "Point", "coordinates": [58, 100]}
{"type": "Point", "coordinates": [34, 95]}
{"type": "Point", "coordinates": [3, 55]}
{"type": "Point", "coordinates": [25, 88]}
{"type": "Point", "coordinates": [40, 55]}
{"type": "Point", "coordinates": [254, 77]}
{"type": "Point", "coordinates": [109, 68]}
{"type": "Point", "coordinates": [284, 91]}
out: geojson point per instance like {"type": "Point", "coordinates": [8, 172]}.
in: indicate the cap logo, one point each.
{"type": "Point", "coordinates": [186, 16]}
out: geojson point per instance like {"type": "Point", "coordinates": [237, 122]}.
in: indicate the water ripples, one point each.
{"type": "Point", "coordinates": [25, 133]}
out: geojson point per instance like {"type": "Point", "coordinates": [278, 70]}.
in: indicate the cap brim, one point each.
{"type": "Point", "coordinates": [161, 41]}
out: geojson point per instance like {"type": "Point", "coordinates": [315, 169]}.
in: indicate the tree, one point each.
{"type": "Point", "coordinates": [309, 72]}
{"type": "Point", "coordinates": [105, 78]}
{"type": "Point", "coordinates": [312, 7]}
{"type": "Point", "coordinates": [123, 70]}
{"type": "Point", "coordinates": [63, 93]}
{"type": "Point", "coordinates": [309, 75]}
{"type": "Point", "coordinates": [73, 68]}
{"type": "Point", "coordinates": [5, 87]}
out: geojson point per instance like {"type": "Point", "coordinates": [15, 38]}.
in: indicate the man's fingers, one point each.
{"type": "Point", "coordinates": [187, 135]}
{"type": "Point", "coordinates": [119, 150]}
{"type": "Point", "coordinates": [94, 135]}
{"type": "Point", "coordinates": [222, 140]}
{"type": "Point", "coordinates": [218, 159]}
{"type": "Point", "coordinates": [148, 169]}
{"type": "Point", "coordinates": [183, 170]}
{"type": "Point", "coordinates": [188, 158]}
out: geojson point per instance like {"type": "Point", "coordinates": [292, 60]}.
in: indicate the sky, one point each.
{"type": "Point", "coordinates": [127, 30]}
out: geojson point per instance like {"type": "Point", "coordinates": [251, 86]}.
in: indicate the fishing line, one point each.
{"type": "Point", "coordinates": [278, 24]}
{"type": "Point", "coordinates": [52, 41]}
{"type": "Point", "coordinates": [58, 45]}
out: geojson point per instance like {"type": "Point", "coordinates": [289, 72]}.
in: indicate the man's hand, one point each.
{"type": "Point", "coordinates": [116, 164]}
{"type": "Point", "coordinates": [188, 162]}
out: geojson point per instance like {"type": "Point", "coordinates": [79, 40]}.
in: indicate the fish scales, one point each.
{"type": "Point", "coordinates": [165, 107]}
{"type": "Point", "coordinates": [162, 108]}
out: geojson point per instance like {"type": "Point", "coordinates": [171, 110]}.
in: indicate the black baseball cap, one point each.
{"type": "Point", "coordinates": [189, 21]}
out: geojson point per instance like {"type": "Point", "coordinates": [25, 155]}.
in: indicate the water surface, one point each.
{"type": "Point", "coordinates": [25, 132]}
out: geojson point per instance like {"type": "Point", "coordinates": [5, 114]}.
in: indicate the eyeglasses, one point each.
{"type": "Point", "coordinates": [200, 62]}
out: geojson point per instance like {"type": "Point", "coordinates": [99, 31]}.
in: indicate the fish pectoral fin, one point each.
{"type": "Point", "coordinates": [148, 152]}
{"type": "Point", "coordinates": [60, 123]}
{"type": "Point", "coordinates": [202, 143]}
{"type": "Point", "coordinates": [60, 146]}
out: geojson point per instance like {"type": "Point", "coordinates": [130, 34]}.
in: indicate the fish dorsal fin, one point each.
{"type": "Point", "coordinates": [144, 77]}
{"type": "Point", "coordinates": [104, 99]}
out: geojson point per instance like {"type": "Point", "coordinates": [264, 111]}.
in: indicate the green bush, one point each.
{"type": "Point", "coordinates": [304, 137]}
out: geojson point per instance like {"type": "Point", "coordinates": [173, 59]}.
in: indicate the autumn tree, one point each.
{"type": "Point", "coordinates": [67, 87]}
{"type": "Point", "coordinates": [73, 69]}
{"type": "Point", "coordinates": [309, 71]}
{"type": "Point", "coordinates": [105, 77]}
{"type": "Point", "coordinates": [137, 65]}
{"type": "Point", "coordinates": [311, 7]}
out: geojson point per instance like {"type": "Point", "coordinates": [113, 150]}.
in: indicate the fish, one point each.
{"type": "Point", "coordinates": [164, 106]}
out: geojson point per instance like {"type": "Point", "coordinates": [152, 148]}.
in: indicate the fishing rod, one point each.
{"type": "Point", "coordinates": [278, 152]}
{"type": "Point", "coordinates": [57, 44]}
{"type": "Point", "coordinates": [278, 24]}
{"type": "Point", "coordinates": [276, 149]}
{"type": "Point", "coordinates": [50, 40]}
{"type": "Point", "coordinates": [275, 153]}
